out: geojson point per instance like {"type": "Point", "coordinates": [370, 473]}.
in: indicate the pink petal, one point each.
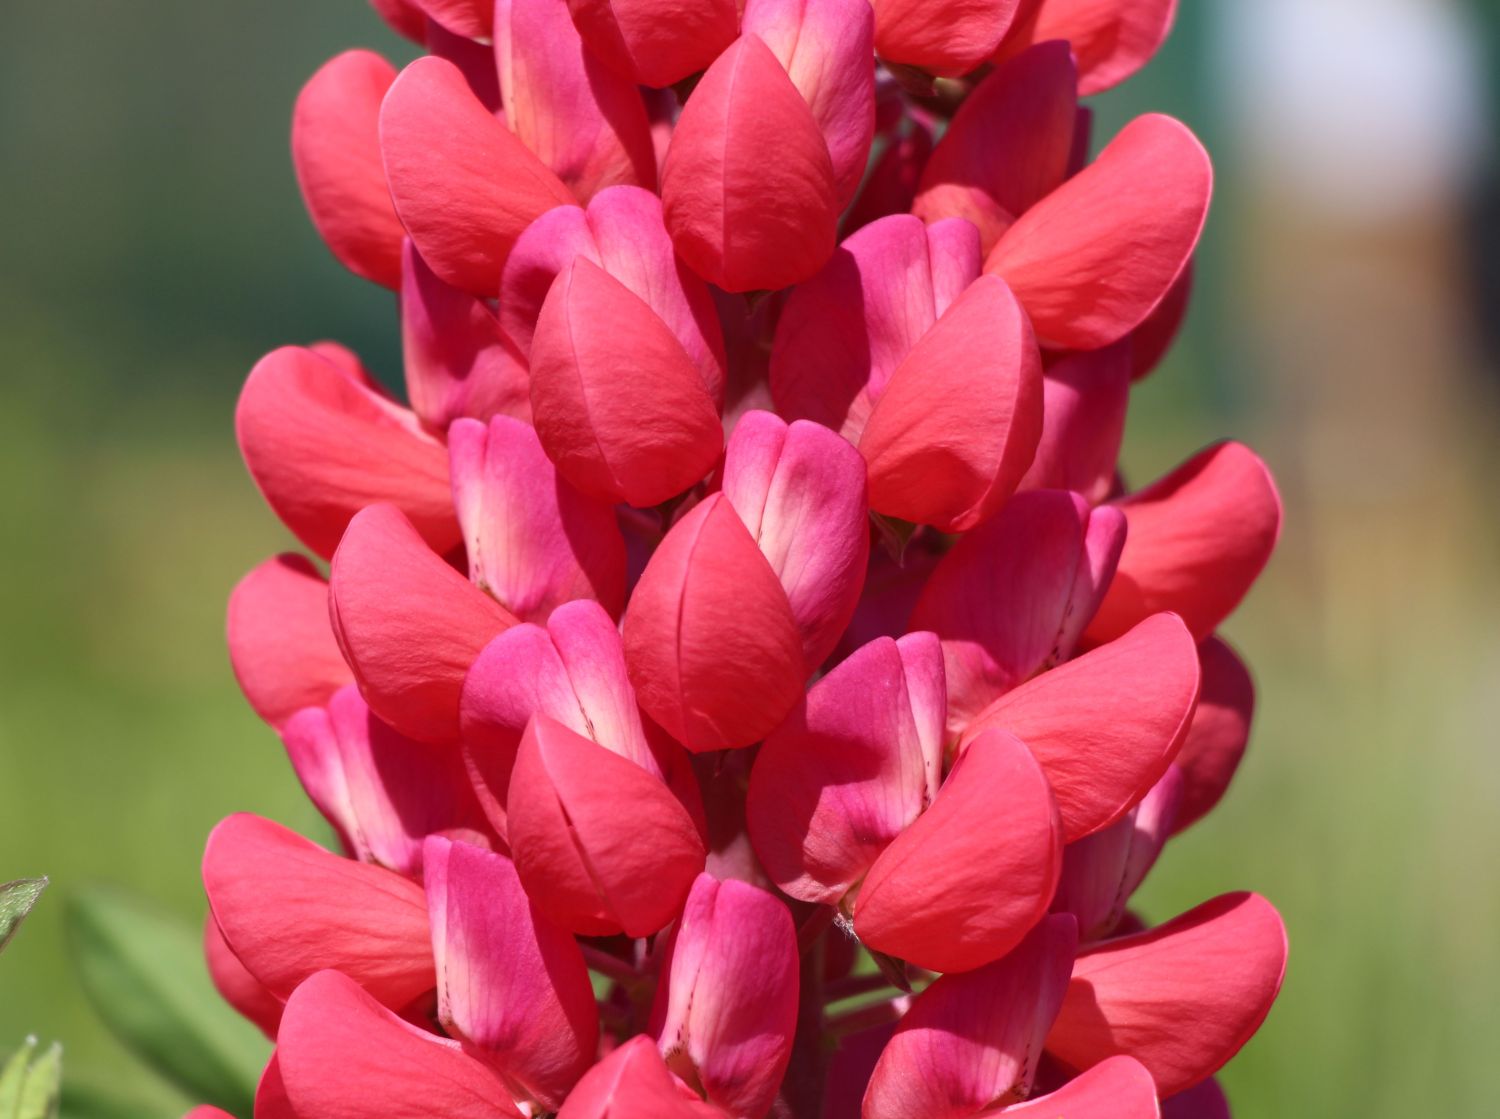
{"type": "Point", "coordinates": [1095, 257]}
{"type": "Point", "coordinates": [1105, 726]}
{"type": "Point", "coordinates": [288, 908]}
{"type": "Point", "coordinates": [621, 232]}
{"type": "Point", "coordinates": [1084, 400]}
{"type": "Point", "coordinates": [964, 884]}
{"type": "Point", "coordinates": [1197, 540]}
{"type": "Point", "coordinates": [707, 615]}
{"type": "Point", "coordinates": [851, 768]}
{"type": "Point", "coordinates": [534, 542]}
{"type": "Point", "coordinates": [1111, 39]}
{"type": "Point", "coordinates": [1219, 967]}
{"type": "Point", "coordinates": [409, 625]}
{"type": "Point", "coordinates": [1008, 146]}
{"type": "Point", "coordinates": [343, 1056]}
{"type": "Point", "coordinates": [618, 403]}
{"type": "Point", "coordinates": [583, 120]}
{"type": "Point", "coordinates": [457, 361]}
{"type": "Point", "coordinates": [590, 866]}
{"type": "Point", "coordinates": [633, 1083]}
{"type": "Point", "coordinates": [1118, 1088]}
{"type": "Point", "coordinates": [656, 42]}
{"type": "Point", "coordinates": [280, 644]}
{"type": "Point", "coordinates": [464, 185]}
{"type": "Point", "coordinates": [948, 39]}
{"type": "Point", "coordinates": [1218, 734]}
{"type": "Point", "coordinates": [383, 792]}
{"type": "Point", "coordinates": [974, 1038]}
{"type": "Point", "coordinates": [748, 190]}
{"type": "Point", "coordinates": [800, 490]}
{"type": "Point", "coordinates": [727, 1006]}
{"type": "Point", "coordinates": [473, 19]}
{"type": "Point", "coordinates": [204, 1111]}
{"type": "Point", "coordinates": [321, 447]}
{"type": "Point", "coordinates": [1012, 596]}
{"type": "Point", "coordinates": [336, 152]}
{"type": "Point", "coordinates": [958, 425]}
{"type": "Point", "coordinates": [240, 989]}
{"type": "Point", "coordinates": [1202, 1101]}
{"type": "Point", "coordinates": [573, 671]}
{"type": "Point", "coordinates": [825, 48]}
{"type": "Point", "coordinates": [510, 983]}
{"type": "Point", "coordinates": [1102, 871]}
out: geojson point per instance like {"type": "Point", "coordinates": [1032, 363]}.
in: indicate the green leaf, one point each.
{"type": "Point", "coordinates": [29, 1083]}
{"type": "Point", "coordinates": [145, 974]}
{"type": "Point", "coordinates": [16, 900]}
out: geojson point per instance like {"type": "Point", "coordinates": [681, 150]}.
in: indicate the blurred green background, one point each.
{"type": "Point", "coordinates": [153, 246]}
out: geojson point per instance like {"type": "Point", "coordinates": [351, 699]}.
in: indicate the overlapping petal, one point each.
{"type": "Point", "coordinates": [656, 42]}
{"type": "Point", "coordinates": [1220, 730]}
{"type": "Point", "coordinates": [949, 39]}
{"type": "Point", "coordinates": [1112, 39]}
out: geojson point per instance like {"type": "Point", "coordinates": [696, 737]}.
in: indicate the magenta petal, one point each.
{"type": "Point", "coordinates": [473, 19]}
{"type": "Point", "coordinates": [850, 769]}
{"type": "Point", "coordinates": [974, 1038]}
{"type": "Point", "coordinates": [727, 1005]}
{"type": "Point", "coordinates": [1119, 1088]}
{"type": "Point", "coordinates": [1204, 1100]}
{"type": "Point", "coordinates": [510, 983]}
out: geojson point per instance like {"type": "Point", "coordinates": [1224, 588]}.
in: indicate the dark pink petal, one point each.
{"type": "Point", "coordinates": [475, 58]}
{"type": "Point", "coordinates": [1150, 341]}
{"type": "Point", "coordinates": [956, 428]}
{"type": "Point", "coordinates": [1111, 39]}
{"type": "Point", "coordinates": [707, 615]}
{"type": "Point", "coordinates": [621, 232]}
{"type": "Point", "coordinates": [240, 989]}
{"type": "Point", "coordinates": [948, 39]}
{"type": "Point", "coordinates": [850, 1069]}
{"type": "Point", "coordinates": [974, 1038]}
{"type": "Point", "coordinates": [336, 152]}
{"type": "Point", "coordinates": [404, 17]}
{"type": "Point", "coordinates": [890, 594]}
{"type": "Point", "coordinates": [1202, 1101]}
{"type": "Point", "coordinates": [748, 189]}
{"type": "Point", "coordinates": [288, 908]}
{"type": "Point", "coordinates": [464, 185]}
{"type": "Point", "coordinates": [573, 671]}
{"type": "Point", "coordinates": [851, 768]}
{"type": "Point", "coordinates": [965, 883]}
{"type": "Point", "coordinates": [457, 361]}
{"type": "Point", "coordinates": [656, 42]}
{"type": "Point", "coordinates": [1218, 966]}
{"type": "Point", "coordinates": [534, 542]}
{"type": "Point", "coordinates": [409, 625]}
{"type": "Point", "coordinates": [473, 19]}
{"type": "Point", "coordinates": [270, 1094]}
{"type": "Point", "coordinates": [1095, 257]}
{"type": "Point", "coordinates": [511, 984]}
{"type": "Point", "coordinates": [321, 447]}
{"type": "Point", "coordinates": [825, 48]}
{"type": "Point", "coordinates": [1197, 540]}
{"type": "Point", "coordinates": [592, 866]}
{"type": "Point", "coordinates": [582, 119]}
{"type": "Point", "coordinates": [1105, 726]}
{"type": "Point", "coordinates": [1102, 871]}
{"type": "Point", "coordinates": [1118, 1088]}
{"type": "Point", "coordinates": [844, 333]}
{"type": "Point", "coordinates": [204, 1111]}
{"type": "Point", "coordinates": [727, 1005]}
{"type": "Point", "coordinates": [1219, 732]}
{"type": "Point", "coordinates": [383, 792]}
{"type": "Point", "coordinates": [800, 491]}
{"type": "Point", "coordinates": [890, 187]}
{"type": "Point", "coordinates": [280, 644]}
{"type": "Point", "coordinates": [618, 403]}
{"type": "Point", "coordinates": [1011, 598]}
{"type": "Point", "coordinates": [341, 1055]}
{"type": "Point", "coordinates": [633, 1083]}
{"type": "Point", "coordinates": [1008, 146]}
{"type": "Point", "coordinates": [1083, 422]}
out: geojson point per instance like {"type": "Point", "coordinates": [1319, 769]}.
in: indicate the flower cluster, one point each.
{"type": "Point", "coordinates": [743, 685]}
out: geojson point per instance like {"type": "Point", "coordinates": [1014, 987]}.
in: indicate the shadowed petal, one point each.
{"type": "Point", "coordinates": [1218, 734]}
{"type": "Point", "coordinates": [656, 42]}
{"type": "Point", "coordinates": [947, 39]}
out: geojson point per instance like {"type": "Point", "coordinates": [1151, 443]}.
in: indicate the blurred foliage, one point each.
{"type": "Point", "coordinates": [155, 246]}
{"type": "Point", "coordinates": [29, 1082]}
{"type": "Point", "coordinates": [16, 900]}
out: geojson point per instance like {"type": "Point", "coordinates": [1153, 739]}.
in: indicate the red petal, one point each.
{"type": "Point", "coordinates": [633, 1083]}
{"type": "Point", "coordinates": [336, 151]}
{"type": "Point", "coordinates": [1197, 540]}
{"type": "Point", "coordinates": [1084, 397]}
{"type": "Point", "coordinates": [965, 883]}
{"type": "Point", "coordinates": [240, 989]}
{"type": "Point", "coordinates": [473, 19]}
{"type": "Point", "coordinates": [464, 186]}
{"type": "Point", "coordinates": [656, 42]}
{"type": "Point", "coordinates": [1094, 258]}
{"type": "Point", "coordinates": [1219, 967]}
{"type": "Point", "coordinates": [1150, 341]}
{"type": "Point", "coordinates": [321, 447]}
{"type": "Point", "coordinates": [1112, 39]}
{"type": "Point", "coordinates": [409, 625]}
{"type": "Point", "coordinates": [1219, 732]}
{"type": "Point", "coordinates": [1118, 1088]}
{"type": "Point", "coordinates": [288, 908]}
{"type": "Point", "coordinates": [280, 644]}
{"type": "Point", "coordinates": [947, 39]}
